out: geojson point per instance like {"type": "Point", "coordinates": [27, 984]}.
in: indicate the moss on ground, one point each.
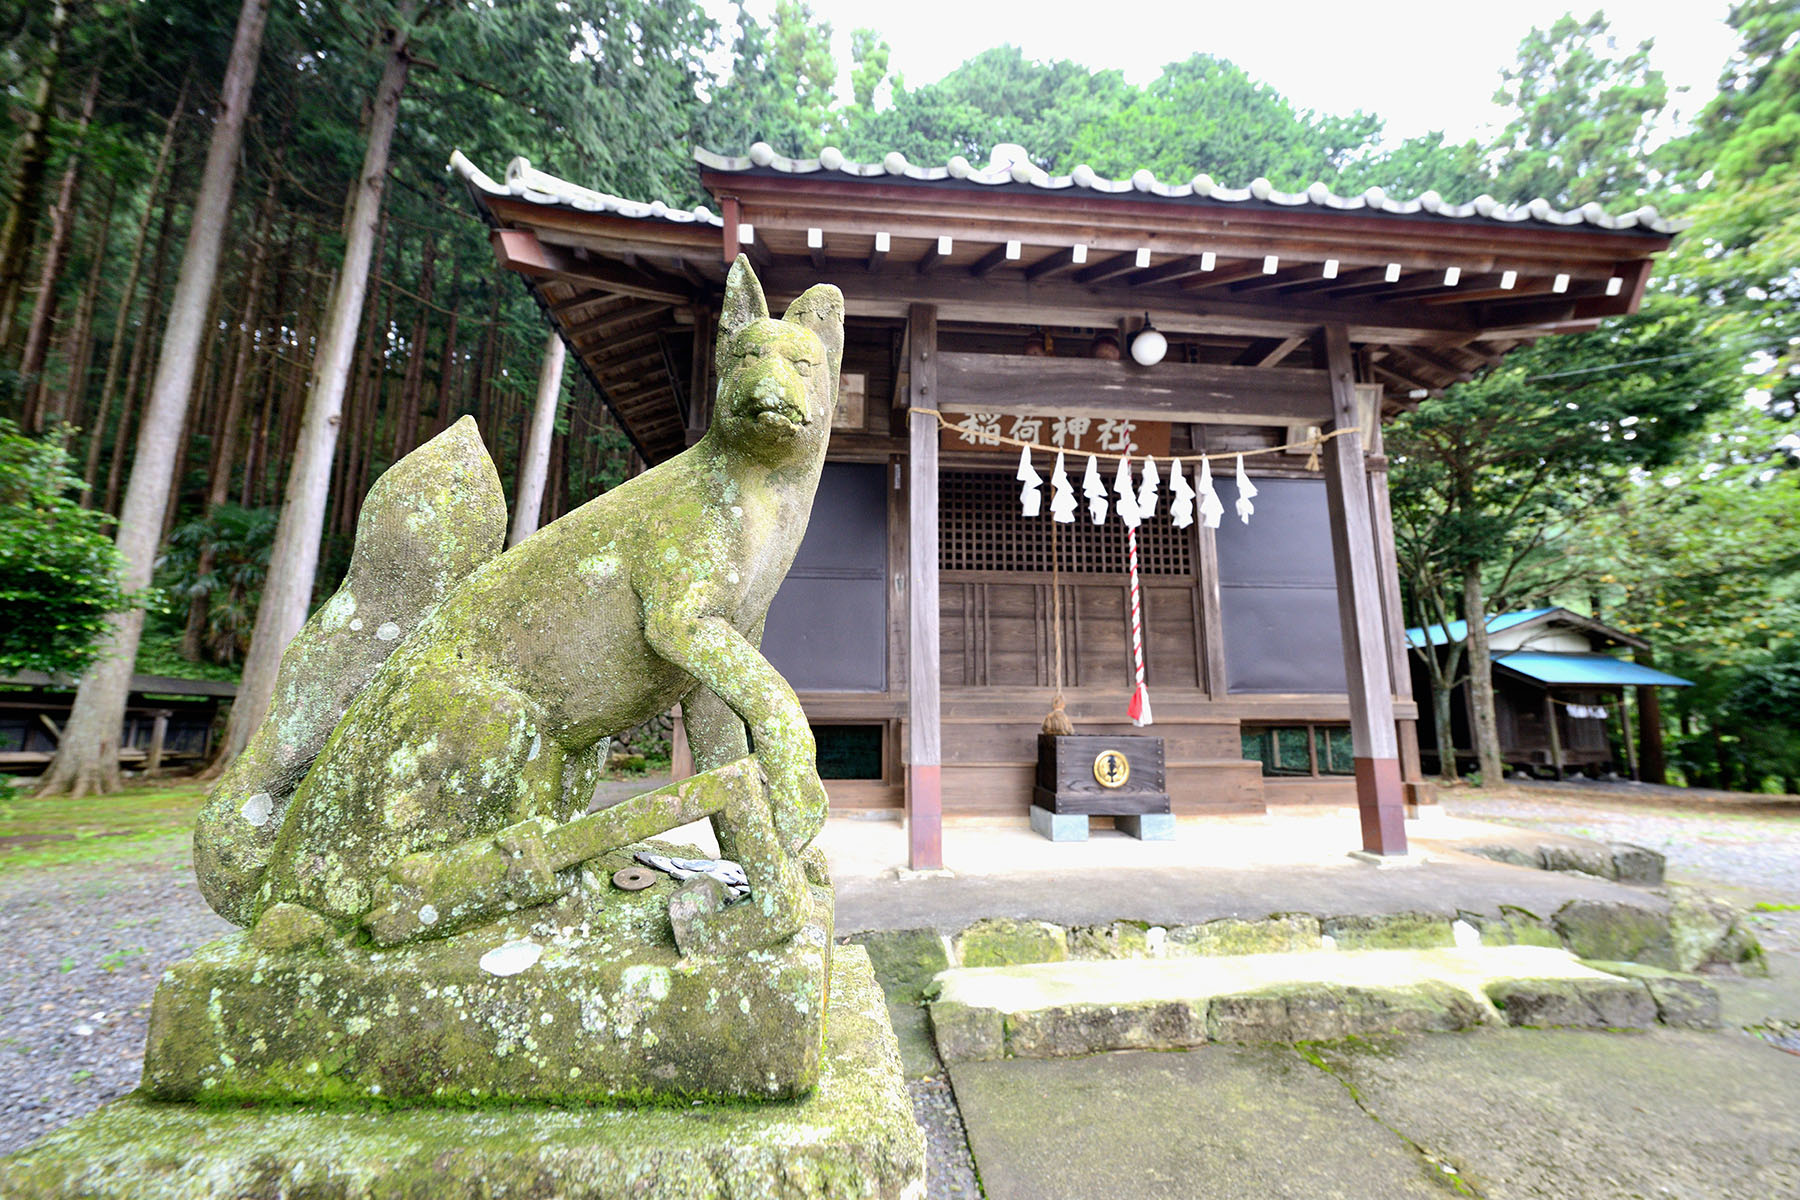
{"type": "Point", "coordinates": [145, 820]}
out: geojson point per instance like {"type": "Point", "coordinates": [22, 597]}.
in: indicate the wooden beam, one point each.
{"type": "Point", "coordinates": [1179, 268]}
{"type": "Point", "coordinates": [520, 250]}
{"type": "Point", "coordinates": [580, 299]}
{"type": "Point", "coordinates": [607, 322]}
{"type": "Point", "coordinates": [1056, 302]}
{"type": "Point", "coordinates": [1379, 795]}
{"type": "Point", "coordinates": [1213, 279]}
{"type": "Point", "coordinates": [924, 757]}
{"type": "Point", "coordinates": [1266, 352]}
{"type": "Point", "coordinates": [988, 262]}
{"type": "Point", "coordinates": [1060, 260]}
{"type": "Point", "coordinates": [1118, 264]}
{"type": "Point", "coordinates": [1194, 392]}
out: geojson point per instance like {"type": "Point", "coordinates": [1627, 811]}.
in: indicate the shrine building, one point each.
{"type": "Point", "coordinates": [927, 619]}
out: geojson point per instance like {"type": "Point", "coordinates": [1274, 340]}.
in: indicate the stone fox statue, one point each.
{"type": "Point", "coordinates": [487, 695]}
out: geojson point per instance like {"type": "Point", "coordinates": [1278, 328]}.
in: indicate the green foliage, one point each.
{"type": "Point", "coordinates": [1583, 117]}
{"type": "Point", "coordinates": [221, 559]}
{"type": "Point", "coordinates": [997, 96]}
{"type": "Point", "coordinates": [1207, 114]}
{"type": "Point", "coordinates": [1495, 470]}
{"type": "Point", "coordinates": [779, 89]}
{"type": "Point", "coordinates": [59, 572]}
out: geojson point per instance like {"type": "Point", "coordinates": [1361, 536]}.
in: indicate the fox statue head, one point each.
{"type": "Point", "coordinates": [778, 380]}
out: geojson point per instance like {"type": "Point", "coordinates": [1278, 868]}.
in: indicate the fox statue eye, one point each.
{"type": "Point", "coordinates": [804, 366]}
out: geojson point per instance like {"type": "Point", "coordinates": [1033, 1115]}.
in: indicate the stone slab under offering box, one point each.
{"type": "Point", "coordinates": [852, 1135]}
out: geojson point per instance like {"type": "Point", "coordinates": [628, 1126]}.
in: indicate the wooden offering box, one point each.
{"type": "Point", "coordinates": [1095, 775]}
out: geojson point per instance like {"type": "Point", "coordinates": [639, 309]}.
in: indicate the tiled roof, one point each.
{"type": "Point", "coordinates": [526, 182]}
{"type": "Point", "coordinates": [1022, 172]}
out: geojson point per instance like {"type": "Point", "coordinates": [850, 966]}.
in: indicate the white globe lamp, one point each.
{"type": "Point", "coordinates": [1148, 345]}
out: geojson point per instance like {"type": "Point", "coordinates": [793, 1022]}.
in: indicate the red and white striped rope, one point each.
{"type": "Point", "coordinates": [1140, 696]}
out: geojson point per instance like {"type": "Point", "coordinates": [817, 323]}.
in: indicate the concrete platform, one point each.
{"type": "Point", "coordinates": [854, 1135]}
{"type": "Point", "coordinates": [1499, 1114]}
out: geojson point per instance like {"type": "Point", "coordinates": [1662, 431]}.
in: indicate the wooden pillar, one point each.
{"type": "Point", "coordinates": [159, 732]}
{"type": "Point", "coordinates": [1631, 762]}
{"type": "Point", "coordinates": [1556, 764]}
{"type": "Point", "coordinates": [924, 756]}
{"type": "Point", "coordinates": [1361, 615]}
{"type": "Point", "coordinates": [1212, 614]}
{"type": "Point", "coordinates": [1381, 513]}
{"type": "Point", "coordinates": [534, 463]}
{"type": "Point", "coordinates": [1652, 767]}
{"type": "Point", "coordinates": [699, 405]}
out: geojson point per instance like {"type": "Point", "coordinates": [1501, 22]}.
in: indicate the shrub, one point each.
{"type": "Point", "coordinates": [59, 571]}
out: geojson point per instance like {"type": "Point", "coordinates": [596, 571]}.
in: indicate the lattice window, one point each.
{"type": "Point", "coordinates": [982, 528]}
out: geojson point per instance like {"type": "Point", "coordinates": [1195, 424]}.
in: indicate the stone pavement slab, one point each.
{"type": "Point", "coordinates": [1175, 895]}
{"type": "Point", "coordinates": [1592, 1116]}
{"type": "Point", "coordinates": [1225, 1123]}
{"type": "Point", "coordinates": [1499, 1115]}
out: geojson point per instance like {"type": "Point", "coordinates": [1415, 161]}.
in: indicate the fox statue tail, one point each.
{"type": "Point", "coordinates": [429, 521]}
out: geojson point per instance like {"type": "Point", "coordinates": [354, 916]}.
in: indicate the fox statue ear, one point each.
{"type": "Point", "coordinates": [820, 308]}
{"type": "Point", "coordinates": [744, 302]}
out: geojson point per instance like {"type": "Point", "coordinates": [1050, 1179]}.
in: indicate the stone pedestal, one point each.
{"type": "Point", "coordinates": [853, 1135]}
{"type": "Point", "coordinates": [585, 1000]}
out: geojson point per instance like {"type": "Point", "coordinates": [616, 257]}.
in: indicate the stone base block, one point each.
{"type": "Point", "coordinates": [1148, 827]}
{"type": "Point", "coordinates": [581, 1001]}
{"type": "Point", "coordinates": [1574, 1003]}
{"type": "Point", "coordinates": [1059, 827]}
{"type": "Point", "coordinates": [854, 1135]}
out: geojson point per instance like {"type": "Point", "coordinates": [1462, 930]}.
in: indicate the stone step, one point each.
{"type": "Point", "coordinates": [1051, 1010]}
{"type": "Point", "coordinates": [1684, 930]}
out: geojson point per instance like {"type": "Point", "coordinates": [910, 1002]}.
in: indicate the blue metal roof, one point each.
{"type": "Point", "coordinates": [1592, 669]}
{"type": "Point", "coordinates": [1460, 629]}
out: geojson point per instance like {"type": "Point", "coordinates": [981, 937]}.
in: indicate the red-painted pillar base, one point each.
{"type": "Point", "coordinates": [1381, 800]}
{"type": "Point", "coordinates": [924, 819]}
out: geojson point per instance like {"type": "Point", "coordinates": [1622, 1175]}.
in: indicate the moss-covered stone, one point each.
{"type": "Point", "coordinates": [1389, 931]}
{"type": "Point", "coordinates": [1304, 1012]}
{"type": "Point", "coordinates": [1684, 1001]}
{"type": "Point", "coordinates": [585, 999]}
{"type": "Point", "coordinates": [1277, 934]}
{"type": "Point", "coordinates": [854, 1135]}
{"type": "Point", "coordinates": [1003, 942]}
{"type": "Point", "coordinates": [1513, 926]}
{"type": "Point", "coordinates": [493, 709]}
{"type": "Point", "coordinates": [1637, 865]}
{"type": "Point", "coordinates": [1066, 1030]}
{"type": "Point", "coordinates": [1706, 930]}
{"type": "Point", "coordinates": [1116, 939]}
{"type": "Point", "coordinates": [965, 1033]}
{"type": "Point", "coordinates": [1616, 932]}
{"type": "Point", "coordinates": [1578, 1003]}
{"type": "Point", "coordinates": [906, 960]}
{"type": "Point", "coordinates": [1582, 857]}
{"type": "Point", "coordinates": [427, 523]}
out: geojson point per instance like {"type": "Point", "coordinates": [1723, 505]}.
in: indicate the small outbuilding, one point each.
{"type": "Point", "coordinates": [1560, 695]}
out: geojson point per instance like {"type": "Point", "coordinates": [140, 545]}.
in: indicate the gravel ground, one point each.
{"type": "Point", "coordinates": [85, 948]}
{"type": "Point", "coordinates": [949, 1169]}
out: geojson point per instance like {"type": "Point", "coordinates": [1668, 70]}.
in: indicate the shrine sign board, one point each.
{"type": "Point", "coordinates": [1076, 435]}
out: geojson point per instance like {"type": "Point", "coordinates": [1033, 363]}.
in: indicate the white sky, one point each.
{"type": "Point", "coordinates": [1422, 65]}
